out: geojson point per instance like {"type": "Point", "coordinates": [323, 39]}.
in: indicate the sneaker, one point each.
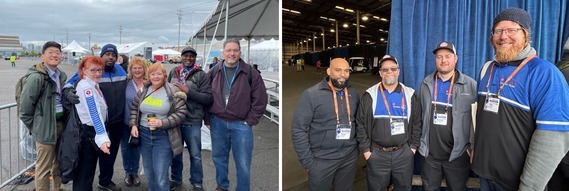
{"type": "Point", "coordinates": [220, 189]}
{"type": "Point", "coordinates": [198, 187]}
{"type": "Point", "coordinates": [135, 180]}
{"type": "Point", "coordinates": [174, 184]}
{"type": "Point", "coordinates": [111, 187]}
{"type": "Point", "coordinates": [128, 180]}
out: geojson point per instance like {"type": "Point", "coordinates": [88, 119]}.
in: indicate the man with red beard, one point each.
{"type": "Point", "coordinates": [323, 130]}
{"type": "Point", "coordinates": [523, 111]}
{"type": "Point", "coordinates": [389, 129]}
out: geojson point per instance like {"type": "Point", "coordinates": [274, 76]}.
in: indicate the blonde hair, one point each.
{"type": "Point", "coordinates": [158, 66]}
{"type": "Point", "coordinates": [137, 60]}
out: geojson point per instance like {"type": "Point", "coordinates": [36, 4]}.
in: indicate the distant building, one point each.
{"type": "Point", "coordinates": [10, 44]}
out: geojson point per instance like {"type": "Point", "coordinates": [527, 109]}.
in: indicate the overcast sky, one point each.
{"type": "Point", "coordinates": [38, 21]}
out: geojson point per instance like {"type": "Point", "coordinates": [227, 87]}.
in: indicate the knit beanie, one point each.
{"type": "Point", "coordinates": [109, 48]}
{"type": "Point", "coordinates": [517, 15]}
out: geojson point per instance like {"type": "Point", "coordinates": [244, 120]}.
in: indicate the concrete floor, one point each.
{"type": "Point", "coordinates": [265, 164]}
{"type": "Point", "coordinates": [294, 83]}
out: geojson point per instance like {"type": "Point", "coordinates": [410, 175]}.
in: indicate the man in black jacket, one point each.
{"type": "Point", "coordinates": [323, 130]}
{"type": "Point", "coordinates": [192, 80]}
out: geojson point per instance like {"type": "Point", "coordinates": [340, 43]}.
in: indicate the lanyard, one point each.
{"type": "Point", "coordinates": [509, 77]}
{"type": "Point", "coordinates": [336, 103]}
{"type": "Point", "coordinates": [229, 84]}
{"type": "Point", "coordinates": [387, 105]}
{"type": "Point", "coordinates": [449, 90]}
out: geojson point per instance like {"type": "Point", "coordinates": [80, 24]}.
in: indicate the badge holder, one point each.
{"type": "Point", "coordinates": [397, 127]}
{"type": "Point", "coordinates": [343, 131]}
{"type": "Point", "coordinates": [492, 104]}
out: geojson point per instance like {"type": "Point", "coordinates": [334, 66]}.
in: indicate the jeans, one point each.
{"type": "Point", "coordinates": [231, 135]}
{"type": "Point", "coordinates": [130, 154]}
{"type": "Point", "coordinates": [157, 154]}
{"type": "Point", "coordinates": [191, 134]}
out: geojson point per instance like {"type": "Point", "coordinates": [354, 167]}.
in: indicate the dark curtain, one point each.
{"type": "Point", "coordinates": [418, 26]}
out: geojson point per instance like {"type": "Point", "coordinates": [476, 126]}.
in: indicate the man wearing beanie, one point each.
{"type": "Point", "coordinates": [191, 79]}
{"type": "Point", "coordinates": [41, 110]}
{"type": "Point", "coordinates": [389, 129]}
{"type": "Point", "coordinates": [113, 85]}
{"type": "Point", "coordinates": [523, 111]}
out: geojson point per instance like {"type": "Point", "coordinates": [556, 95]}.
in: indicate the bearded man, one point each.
{"type": "Point", "coordinates": [389, 129]}
{"type": "Point", "coordinates": [323, 130]}
{"type": "Point", "coordinates": [523, 111]}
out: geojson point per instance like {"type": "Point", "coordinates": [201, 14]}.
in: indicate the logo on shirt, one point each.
{"type": "Point", "coordinates": [88, 93]}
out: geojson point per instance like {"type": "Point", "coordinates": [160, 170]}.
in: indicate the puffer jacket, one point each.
{"type": "Point", "coordinates": [176, 115]}
{"type": "Point", "coordinates": [40, 116]}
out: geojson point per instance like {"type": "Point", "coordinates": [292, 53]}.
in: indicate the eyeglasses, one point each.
{"type": "Point", "coordinates": [384, 70]}
{"type": "Point", "coordinates": [230, 51]}
{"type": "Point", "coordinates": [509, 32]}
{"type": "Point", "coordinates": [100, 70]}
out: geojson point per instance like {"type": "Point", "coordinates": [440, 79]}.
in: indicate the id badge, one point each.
{"type": "Point", "coordinates": [440, 118]}
{"type": "Point", "coordinates": [397, 127]}
{"type": "Point", "coordinates": [343, 131]}
{"type": "Point", "coordinates": [492, 103]}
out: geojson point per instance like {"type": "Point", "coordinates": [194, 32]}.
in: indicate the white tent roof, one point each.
{"type": "Point", "coordinates": [166, 51]}
{"type": "Point", "coordinates": [267, 45]}
{"type": "Point", "coordinates": [247, 19]}
{"type": "Point", "coordinates": [74, 47]}
{"type": "Point", "coordinates": [128, 48]}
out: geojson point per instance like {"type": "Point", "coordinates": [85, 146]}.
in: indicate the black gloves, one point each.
{"type": "Point", "coordinates": [70, 95]}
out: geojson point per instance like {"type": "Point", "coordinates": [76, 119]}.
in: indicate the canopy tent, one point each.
{"type": "Point", "coordinates": [266, 45]}
{"type": "Point", "coordinates": [241, 19]}
{"type": "Point", "coordinates": [166, 51]}
{"type": "Point", "coordinates": [74, 47]}
{"type": "Point", "coordinates": [131, 48]}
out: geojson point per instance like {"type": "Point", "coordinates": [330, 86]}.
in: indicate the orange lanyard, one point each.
{"type": "Point", "coordinates": [387, 105]}
{"type": "Point", "coordinates": [449, 89]}
{"type": "Point", "coordinates": [336, 103]}
{"type": "Point", "coordinates": [509, 77]}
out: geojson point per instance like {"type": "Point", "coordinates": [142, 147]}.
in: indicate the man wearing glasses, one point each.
{"type": "Point", "coordinates": [323, 130]}
{"type": "Point", "coordinates": [389, 128]}
{"type": "Point", "coordinates": [523, 111]}
{"type": "Point", "coordinates": [446, 97]}
{"type": "Point", "coordinates": [237, 106]}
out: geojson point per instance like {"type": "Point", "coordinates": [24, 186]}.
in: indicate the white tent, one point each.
{"type": "Point", "coordinates": [131, 48]}
{"type": "Point", "coordinates": [266, 45]}
{"type": "Point", "coordinates": [74, 47]}
{"type": "Point", "coordinates": [166, 51]}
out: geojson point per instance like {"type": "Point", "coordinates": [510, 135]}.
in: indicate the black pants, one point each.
{"type": "Point", "coordinates": [336, 174]}
{"type": "Point", "coordinates": [455, 172]}
{"type": "Point", "coordinates": [560, 178]}
{"type": "Point", "coordinates": [85, 171]}
{"type": "Point", "coordinates": [107, 161]}
{"type": "Point", "coordinates": [396, 166]}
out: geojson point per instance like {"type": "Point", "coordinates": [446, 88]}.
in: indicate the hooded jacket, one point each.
{"type": "Point", "coordinates": [40, 116]}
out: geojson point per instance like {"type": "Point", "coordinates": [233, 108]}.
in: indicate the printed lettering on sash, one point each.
{"type": "Point", "coordinates": [343, 131]}
{"type": "Point", "coordinates": [440, 118]}
{"type": "Point", "coordinates": [397, 127]}
{"type": "Point", "coordinates": [492, 103]}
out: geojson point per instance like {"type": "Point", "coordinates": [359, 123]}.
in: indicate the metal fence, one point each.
{"type": "Point", "coordinates": [272, 111]}
{"type": "Point", "coordinates": [17, 148]}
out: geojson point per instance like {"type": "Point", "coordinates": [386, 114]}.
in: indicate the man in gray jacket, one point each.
{"type": "Point", "coordinates": [323, 130]}
{"type": "Point", "coordinates": [446, 97]}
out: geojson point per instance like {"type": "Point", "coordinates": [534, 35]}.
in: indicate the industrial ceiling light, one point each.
{"type": "Point", "coordinates": [331, 30]}
{"type": "Point", "coordinates": [365, 18]}
{"type": "Point", "coordinates": [345, 25]}
{"type": "Point", "coordinates": [321, 34]}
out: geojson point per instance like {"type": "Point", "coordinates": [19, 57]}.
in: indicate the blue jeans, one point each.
{"type": "Point", "coordinates": [490, 185]}
{"type": "Point", "coordinates": [130, 154]}
{"type": "Point", "coordinates": [156, 157]}
{"type": "Point", "coordinates": [239, 137]}
{"type": "Point", "coordinates": [192, 136]}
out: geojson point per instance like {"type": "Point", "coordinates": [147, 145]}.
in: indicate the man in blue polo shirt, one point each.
{"type": "Point", "coordinates": [523, 111]}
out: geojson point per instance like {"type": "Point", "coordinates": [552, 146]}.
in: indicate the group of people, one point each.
{"type": "Point", "coordinates": [521, 112]}
{"type": "Point", "coordinates": [103, 106]}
